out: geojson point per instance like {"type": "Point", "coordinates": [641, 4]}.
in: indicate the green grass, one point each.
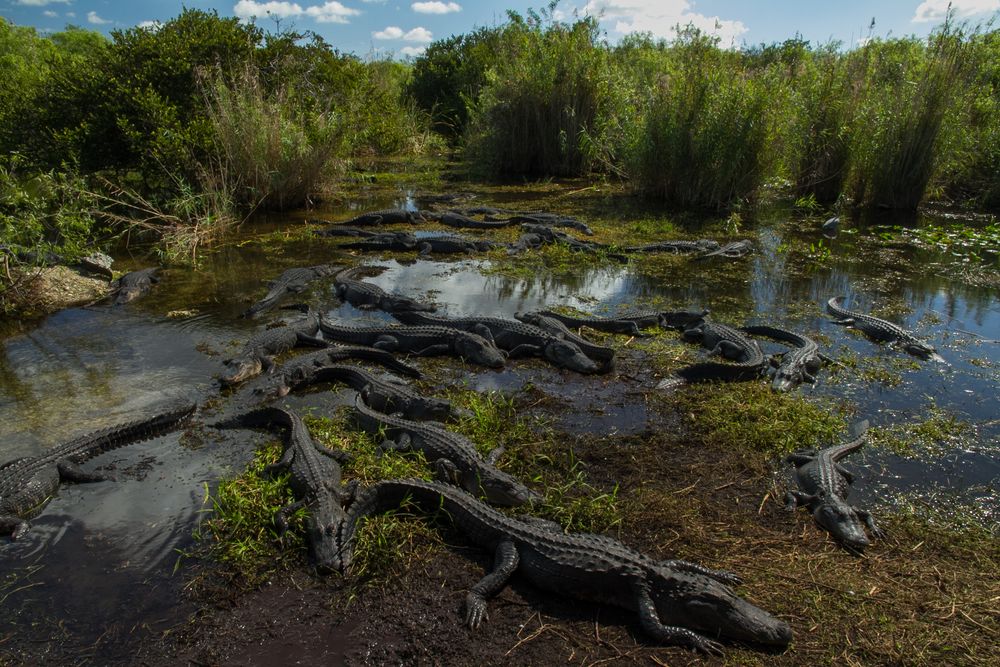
{"type": "Point", "coordinates": [935, 434]}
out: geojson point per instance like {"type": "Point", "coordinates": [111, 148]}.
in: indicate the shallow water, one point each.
{"type": "Point", "coordinates": [97, 565]}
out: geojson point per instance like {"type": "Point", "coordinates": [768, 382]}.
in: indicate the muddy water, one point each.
{"type": "Point", "coordinates": [95, 571]}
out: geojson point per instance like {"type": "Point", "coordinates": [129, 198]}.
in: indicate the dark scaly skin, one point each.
{"type": "Point", "coordinates": [27, 484]}
{"type": "Point", "coordinates": [420, 340]}
{"type": "Point", "coordinates": [315, 482]}
{"type": "Point", "coordinates": [132, 285]}
{"type": "Point", "coordinates": [256, 355]}
{"type": "Point", "coordinates": [453, 456]}
{"type": "Point", "coordinates": [823, 487]}
{"type": "Point", "coordinates": [548, 235]}
{"type": "Point", "coordinates": [451, 219]}
{"type": "Point", "coordinates": [452, 245]}
{"type": "Point", "coordinates": [360, 294]}
{"type": "Point", "coordinates": [881, 330]}
{"type": "Point", "coordinates": [518, 338]}
{"type": "Point", "coordinates": [728, 342]}
{"type": "Point", "coordinates": [630, 323]}
{"type": "Point", "coordinates": [292, 281]}
{"type": "Point", "coordinates": [678, 602]}
{"type": "Point", "coordinates": [604, 356]}
{"type": "Point", "coordinates": [302, 369]}
{"type": "Point", "coordinates": [676, 247]}
{"type": "Point", "coordinates": [547, 219]}
{"type": "Point", "coordinates": [387, 242]}
{"type": "Point", "coordinates": [798, 365]}
{"type": "Point", "coordinates": [393, 216]}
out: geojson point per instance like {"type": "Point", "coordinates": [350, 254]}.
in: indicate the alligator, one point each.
{"type": "Point", "coordinates": [366, 295]}
{"type": "Point", "coordinates": [517, 338]}
{"type": "Point", "coordinates": [132, 285]}
{"type": "Point", "coordinates": [393, 216]}
{"type": "Point", "coordinates": [605, 356]}
{"type": "Point", "coordinates": [453, 456]}
{"type": "Point", "coordinates": [292, 281]}
{"type": "Point", "coordinates": [256, 356]}
{"type": "Point", "coordinates": [547, 219]}
{"type": "Point", "coordinates": [302, 369]}
{"type": "Point", "coordinates": [678, 602]}
{"type": "Point", "coordinates": [452, 244]}
{"type": "Point", "coordinates": [798, 365]}
{"type": "Point", "coordinates": [27, 484]}
{"type": "Point", "coordinates": [676, 247]}
{"type": "Point", "coordinates": [732, 250]}
{"type": "Point", "coordinates": [341, 230]}
{"type": "Point", "coordinates": [630, 323]}
{"type": "Point", "coordinates": [824, 485]}
{"type": "Point", "coordinates": [536, 235]}
{"type": "Point", "coordinates": [881, 330]}
{"type": "Point", "coordinates": [385, 242]}
{"type": "Point", "coordinates": [452, 219]}
{"type": "Point", "coordinates": [390, 396]}
{"type": "Point", "coordinates": [420, 340]}
{"type": "Point", "coordinates": [314, 480]}
{"type": "Point", "coordinates": [726, 341]}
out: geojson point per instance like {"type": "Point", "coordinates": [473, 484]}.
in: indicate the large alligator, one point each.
{"type": "Point", "coordinates": [27, 484]}
{"type": "Point", "coordinates": [450, 244]}
{"type": "Point", "coordinates": [731, 250]}
{"type": "Point", "coordinates": [452, 219]}
{"type": "Point", "coordinates": [302, 369]}
{"type": "Point", "coordinates": [727, 342]}
{"type": "Point", "coordinates": [518, 338]}
{"type": "Point", "coordinates": [389, 396]}
{"type": "Point", "coordinates": [360, 294]}
{"type": "Point", "coordinates": [630, 323]}
{"type": "Point", "coordinates": [881, 330]}
{"type": "Point", "coordinates": [798, 365]}
{"type": "Point", "coordinates": [422, 341]}
{"type": "Point", "coordinates": [132, 285]}
{"type": "Point", "coordinates": [824, 485]}
{"type": "Point", "coordinates": [678, 602]}
{"type": "Point", "coordinates": [392, 216]}
{"type": "Point", "coordinates": [314, 480]}
{"type": "Point", "coordinates": [605, 356]}
{"type": "Point", "coordinates": [547, 219]}
{"type": "Point", "coordinates": [676, 247]}
{"type": "Point", "coordinates": [453, 456]}
{"type": "Point", "coordinates": [256, 356]}
{"type": "Point", "coordinates": [292, 281]}
{"type": "Point", "coordinates": [384, 242]}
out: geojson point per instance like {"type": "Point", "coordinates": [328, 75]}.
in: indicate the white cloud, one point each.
{"type": "Point", "coordinates": [51, 14]}
{"type": "Point", "coordinates": [330, 12]}
{"type": "Point", "coordinates": [436, 7]}
{"type": "Point", "coordinates": [412, 51]}
{"type": "Point", "coordinates": [71, 15]}
{"type": "Point", "coordinates": [936, 10]}
{"type": "Point", "coordinates": [390, 32]}
{"type": "Point", "coordinates": [152, 26]}
{"type": "Point", "coordinates": [94, 19]}
{"type": "Point", "coordinates": [40, 3]}
{"type": "Point", "coordinates": [660, 17]}
{"type": "Point", "coordinates": [419, 35]}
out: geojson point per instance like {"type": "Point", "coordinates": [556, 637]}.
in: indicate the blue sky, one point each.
{"type": "Point", "coordinates": [403, 29]}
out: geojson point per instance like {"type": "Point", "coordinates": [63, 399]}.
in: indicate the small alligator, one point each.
{"type": "Point", "coordinates": [678, 602]}
{"type": "Point", "coordinates": [391, 397]}
{"type": "Point", "coordinates": [605, 356]}
{"type": "Point", "coordinates": [881, 330]}
{"type": "Point", "coordinates": [518, 338]}
{"type": "Point", "coordinates": [366, 295]}
{"type": "Point", "coordinates": [27, 484]}
{"type": "Point", "coordinates": [132, 285]}
{"type": "Point", "coordinates": [452, 244]}
{"type": "Point", "coordinates": [732, 250]}
{"type": "Point", "coordinates": [314, 480]}
{"type": "Point", "coordinates": [385, 242]}
{"type": "Point", "coordinates": [292, 281]}
{"type": "Point", "coordinates": [824, 485]}
{"type": "Point", "coordinates": [422, 341]}
{"type": "Point", "coordinates": [257, 353]}
{"type": "Point", "coordinates": [676, 247]}
{"type": "Point", "coordinates": [797, 366]}
{"type": "Point", "coordinates": [302, 369]}
{"type": "Point", "coordinates": [453, 456]}
{"type": "Point", "coordinates": [728, 342]}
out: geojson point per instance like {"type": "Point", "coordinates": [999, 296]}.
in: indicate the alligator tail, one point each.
{"type": "Point", "coordinates": [113, 437]}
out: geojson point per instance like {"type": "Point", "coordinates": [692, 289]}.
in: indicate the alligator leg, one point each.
{"type": "Point", "coordinates": [849, 476]}
{"type": "Point", "coordinates": [525, 350]}
{"type": "Point", "coordinates": [338, 455]}
{"type": "Point", "coordinates": [14, 526]}
{"type": "Point", "coordinates": [402, 444]}
{"type": "Point", "coordinates": [303, 339]}
{"type": "Point", "coordinates": [798, 458]}
{"type": "Point", "coordinates": [794, 499]}
{"type": "Point", "coordinates": [433, 350]}
{"type": "Point", "coordinates": [505, 561]}
{"type": "Point", "coordinates": [722, 576]}
{"type": "Point", "coordinates": [727, 350]}
{"type": "Point", "coordinates": [652, 625]}
{"type": "Point", "coordinates": [869, 520]}
{"type": "Point", "coordinates": [281, 464]}
{"type": "Point", "coordinates": [446, 471]}
{"type": "Point", "coordinates": [281, 517]}
{"type": "Point", "coordinates": [387, 343]}
{"type": "Point", "coordinates": [484, 331]}
{"type": "Point", "coordinates": [71, 472]}
{"type": "Point", "coordinates": [495, 455]}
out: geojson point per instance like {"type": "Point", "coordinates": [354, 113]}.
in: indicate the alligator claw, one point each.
{"type": "Point", "coordinates": [475, 611]}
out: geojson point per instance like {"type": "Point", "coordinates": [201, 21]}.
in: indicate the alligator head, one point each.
{"type": "Point", "coordinates": [703, 604]}
{"type": "Point", "coordinates": [565, 354]}
{"type": "Point", "coordinates": [322, 531]}
{"type": "Point", "coordinates": [923, 350]}
{"type": "Point", "coordinates": [243, 368]}
{"type": "Point", "coordinates": [840, 519]}
{"type": "Point", "coordinates": [397, 303]}
{"type": "Point", "coordinates": [681, 319]}
{"type": "Point", "coordinates": [478, 350]}
{"type": "Point", "coordinates": [505, 490]}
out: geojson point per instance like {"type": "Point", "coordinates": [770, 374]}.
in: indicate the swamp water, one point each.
{"type": "Point", "coordinates": [96, 571]}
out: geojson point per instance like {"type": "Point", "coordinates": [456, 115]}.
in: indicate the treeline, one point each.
{"type": "Point", "coordinates": [884, 125]}
{"type": "Point", "coordinates": [181, 129]}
